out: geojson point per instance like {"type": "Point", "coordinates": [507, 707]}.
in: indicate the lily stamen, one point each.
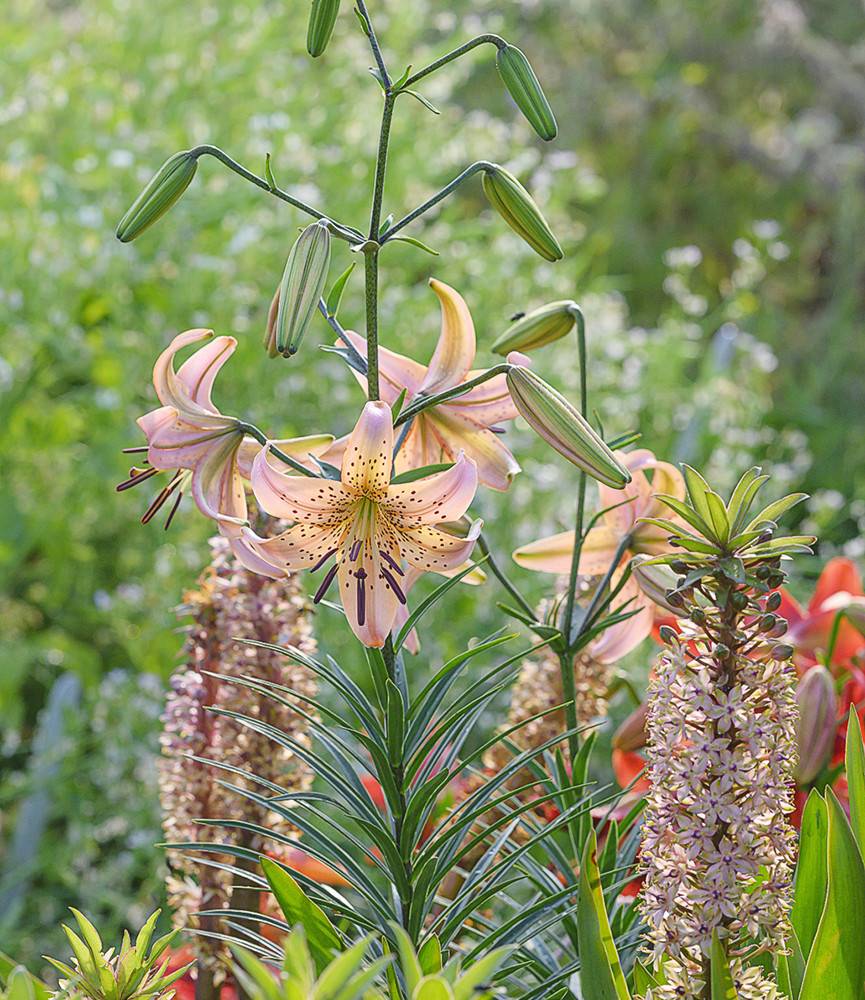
{"type": "Point", "coordinates": [136, 476]}
{"type": "Point", "coordinates": [326, 582]}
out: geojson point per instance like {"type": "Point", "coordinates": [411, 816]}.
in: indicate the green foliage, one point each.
{"type": "Point", "coordinates": [132, 973]}
{"type": "Point", "coordinates": [600, 971]}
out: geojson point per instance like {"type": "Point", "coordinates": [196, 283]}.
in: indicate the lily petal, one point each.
{"type": "Point", "coordinates": [422, 446]}
{"type": "Point", "coordinates": [368, 455]}
{"type": "Point", "coordinates": [186, 392]}
{"type": "Point", "coordinates": [554, 553]}
{"type": "Point", "coordinates": [456, 346]}
{"type": "Point", "coordinates": [367, 599]}
{"type": "Point", "coordinates": [396, 371]}
{"type": "Point", "coordinates": [300, 449]}
{"type": "Point", "coordinates": [217, 488]}
{"type": "Point", "coordinates": [488, 403]}
{"type": "Point", "coordinates": [620, 639]}
{"type": "Point", "coordinates": [295, 498]}
{"type": "Point", "coordinates": [496, 465]}
{"type": "Point", "coordinates": [432, 550]}
{"type": "Point", "coordinates": [443, 496]}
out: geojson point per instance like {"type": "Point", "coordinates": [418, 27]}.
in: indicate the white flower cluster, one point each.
{"type": "Point", "coordinates": [686, 982]}
{"type": "Point", "coordinates": [717, 849]}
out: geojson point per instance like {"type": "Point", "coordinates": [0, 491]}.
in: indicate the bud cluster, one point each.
{"type": "Point", "coordinates": [718, 850]}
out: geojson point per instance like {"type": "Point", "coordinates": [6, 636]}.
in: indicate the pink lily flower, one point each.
{"type": "Point", "coordinates": [369, 524]}
{"type": "Point", "coordinates": [467, 423]}
{"type": "Point", "coordinates": [205, 449]}
{"type": "Point", "coordinates": [623, 510]}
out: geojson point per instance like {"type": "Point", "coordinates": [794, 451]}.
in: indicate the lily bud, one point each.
{"type": "Point", "coordinates": [302, 284]}
{"type": "Point", "coordinates": [522, 84]}
{"type": "Point", "coordinates": [270, 326]}
{"type": "Point", "coordinates": [656, 581]}
{"type": "Point", "coordinates": [538, 328]}
{"type": "Point", "coordinates": [553, 418]}
{"type": "Point", "coordinates": [161, 192]}
{"type": "Point", "coordinates": [516, 206]}
{"type": "Point", "coordinates": [818, 722]}
{"type": "Point", "coordinates": [322, 18]}
{"type": "Point", "coordinates": [631, 734]}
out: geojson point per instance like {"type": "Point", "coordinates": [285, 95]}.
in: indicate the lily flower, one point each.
{"type": "Point", "coordinates": [206, 450]}
{"type": "Point", "coordinates": [623, 510]}
{"type": "Point", "coordinates": [467, 423]}
{"type": "Point", "coordinates": [810, 628]}
{"type": "Point", "coordinates": [369, 524]}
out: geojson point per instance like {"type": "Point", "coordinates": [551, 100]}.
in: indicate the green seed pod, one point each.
{"type": "Point", "coordinates": [537, 328]}
{"type": "Point", "coordinates": [522, 84]}
{"type": "Point", "coordinates": [515, 205]}
{"type": "Point", "coordinates": [303, 282]}
{"type": "Point", "coordinates": [553, 418]}
{"type": "Point", "coordinates": [322, 18]}
{"type": "Point", "coordinates": [161, 192]}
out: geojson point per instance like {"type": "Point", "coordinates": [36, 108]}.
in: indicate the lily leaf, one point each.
{"type": "Point", "coordinates": [723, 987]}
{"type": "Point", "coordinates": [601, 975]}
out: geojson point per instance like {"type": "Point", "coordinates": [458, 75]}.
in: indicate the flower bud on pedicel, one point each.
{"type": "Point", "coordinates": [657, 582]}
{"type": "Point", "coordinates": [516, 206]}
{"type": "Point", "coordinates": [522, 84]}
{"type": "Point", "coordinates": [322, 18]}
{"type": "Point", "coordinates": [302, 285]}
{"type": "Point", "coordinates": [553, 418]}
{"type": "Point", "coordinates": [161, 192]}
{"type": "Point", "coordinates": [818, 721]}
{"type": "Point", "coordinates": [538, 328]}
{"type": "Point", "coordinates": [270, 326]}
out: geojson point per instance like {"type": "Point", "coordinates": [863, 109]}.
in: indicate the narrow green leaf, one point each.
{"type": "Point", "coordinates": [7, 966]}
{"type": "Point", "coordinates": [481, 971]}
{"type": "Point", "coordinates": [19, 985]}
{"type": "Point", "coordinates": [723, 987]}
{"type": "Point", "coordinates": [419, 97]}
{"type": "Point", "coordinates": [430, 955]}
{"type": "Point", "coordinates": [414, 243]}
{"type": "Point", "coordinates": [297, 908]}
{"type": "Point", "coordinates": [809, 888]}
{"type": "Point", "coordinates": [643, 978]}
{"type": "Point", "coordinates": [601, 975]}
{"type": "Point", "coordinates": [429, 601]}
{"type": "Point", "coordinates": [268, 172]}
{"type": "Point", "coordinates": [776, 510]}
{"type": "Point", "coordinates": [698, 489]}
{"type": "Point", "coordinates": [337, 289]}
{"type": "Point", "coordinates": [395, 723]}
{"type": "Point", "coordinates": [855, 763]}
{"type": "Point", "coordinates": [836, 964]}
{"type": "Point", "coordinates": [410, 475]}
{"type": "Point", "coordinates": [718, 515]}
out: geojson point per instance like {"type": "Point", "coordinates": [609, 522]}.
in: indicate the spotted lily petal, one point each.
{"type": "Point", "coordinates": [368, 454]}
{"type": "Point", "coordinates": [296, 498]}
{"type": "Point", "coordinates": [396, 371]}
{"type": "Point", "coordinates": [444, 496]}
{"type": "Point", "coordinates": [456, 346]}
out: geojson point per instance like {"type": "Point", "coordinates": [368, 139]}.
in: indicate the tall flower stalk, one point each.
{"type": "Point", "coordinates": [718, 850]}
{"type": "Point", "coordinates": [229, 605]}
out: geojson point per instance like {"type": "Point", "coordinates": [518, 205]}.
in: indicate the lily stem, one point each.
{"type": "Point", "coordinates": [503, 579]}
{"type": "Point", "coordinates": [566, 660]}
{"type": "Point", "coordinates": [461, 50]}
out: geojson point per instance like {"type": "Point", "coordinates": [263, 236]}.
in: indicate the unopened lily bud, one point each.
{"type": "Point", "coordinates": [516, 206]}
{"type": "Point", "coordinates": [815, 731]}
{"type": "Point", "coordinates": [539, 327]}
{"type": "Point", "coordinates": [656, 582]}
{"type": "Point", "coordinates": [302, 284]}
{"type": "Point", "coordinates": [322, 18]}
{"type": "Point", "coordinates": [270, 327]}
{"type": "Point", "coordinates": [553, 418]}
{"type": "Point", "coordinates": [631, 734]}
{"type": "Point", "coordinates": [161, 192]}
{"type": "Point", "coordinates": [522, 84]}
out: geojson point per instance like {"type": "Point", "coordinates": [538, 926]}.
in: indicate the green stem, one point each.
{"type": "Point", "coordinates": [343, 232]}
{"type": "Point", "coordinates": [338, 329]}
{"type": "Point", "coordinates": [501, 576]}
{"type": "Point", "coordinates": [261, 437]}
{"type": "Point", "coordinates": [581, 489]}
{"type": "Point", "coordinates": [424, 402]}
{"type": "Point", "coordinates": [461, 50]}
{"type": "Point", "coordinates": [372, 247]}
{"type": "Point", "coordinates": [373, 41]}
{"type": "Point", "coordinates": [436, 198]}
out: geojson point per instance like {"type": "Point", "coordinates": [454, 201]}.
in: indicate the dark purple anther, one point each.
{"type": "Point", "coordinates": [325, 583]}
{"type": "Point", "coordinates": [361, 596]}
{"type": "Point", "coordinates": [323, 560]}
{"type": "Point", "coordinates": [394, 586]}
{"type": "Point", "coordinates": [389, 559]}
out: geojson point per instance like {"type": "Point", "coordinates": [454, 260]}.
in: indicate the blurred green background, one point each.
{"type": "Point", "coordinates": [707, 186]}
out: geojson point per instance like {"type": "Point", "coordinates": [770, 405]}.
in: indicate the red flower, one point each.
{"type": "Point", "coordinates": [810, 628]}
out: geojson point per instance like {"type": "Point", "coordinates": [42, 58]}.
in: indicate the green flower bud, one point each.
{"type": "Point", "coordinates": [515, 205]}
{"type": "Point", "coordinates": [522, 84]}
{"type": "Point", "coordinates": [302, 284]}
{"type": "Point", "coordinates": [538, 328]}
{"type": "Point", "coordinates": [162, 191]}
{"type": "Point", "coordinates": [553, 418]}
{"type": "Point", "coordinates": [270, 326]}
{"type": "Point", "coordinates": [322, 18]}
{"type": "Point", "coordinates": [815, 731]}
{"type": "Point", "coordinates": [657, 582]}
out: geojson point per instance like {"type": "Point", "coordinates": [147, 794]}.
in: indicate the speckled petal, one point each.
{"type": "Point", "coordinates": [432, 550]}
{"type": "Point", "coordinates": [443, 496]}
{"type": "Point", "coordinates": [456, 346]}
{"type": "Point", "coordinates": [306, 499]}
{"type": "Point", "coordinates": [366, 465]}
